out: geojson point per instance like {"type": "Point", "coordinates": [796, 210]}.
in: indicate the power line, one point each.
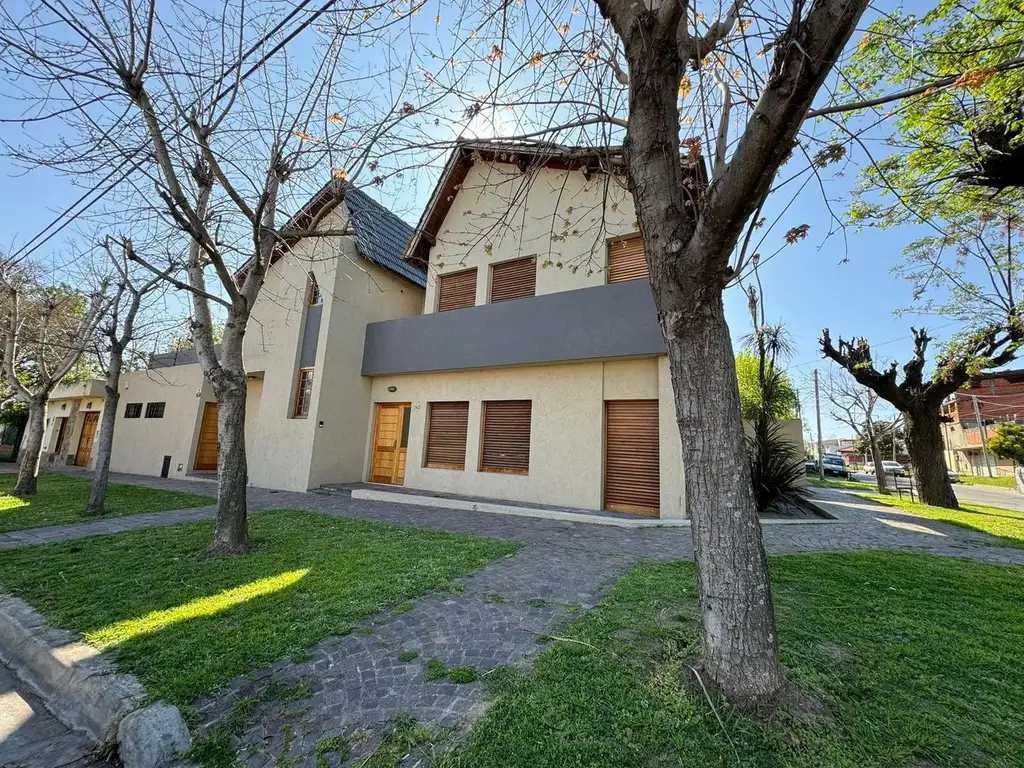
{"type": "Point", "coordinates": [99, 187]}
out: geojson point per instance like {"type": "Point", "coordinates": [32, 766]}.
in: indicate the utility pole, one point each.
{"type": "Point", "coordinates": [817, 413]}
{"type": "Point", "coordinates": [895, 420]}
{"type": "Point", "coordinates": [984, 436]}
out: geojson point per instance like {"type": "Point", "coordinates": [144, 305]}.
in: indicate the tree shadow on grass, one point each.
{"type": "Point", "coordinates": [185, 623]}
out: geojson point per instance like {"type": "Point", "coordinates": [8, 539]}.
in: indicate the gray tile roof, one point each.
{"type": "Point", "coordinates": [381, 236]}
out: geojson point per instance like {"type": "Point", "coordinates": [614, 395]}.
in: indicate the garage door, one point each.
{"type": "Point", "coordinates": [631, 465]}
{"type": "Point", "coordinates": [206, 451]}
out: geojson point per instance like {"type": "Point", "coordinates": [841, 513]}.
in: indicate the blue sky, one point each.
{"type": "Point", "coordinates": [807, 286]}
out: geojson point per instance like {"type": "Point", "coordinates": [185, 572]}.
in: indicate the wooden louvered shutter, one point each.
{"type": "Point", "coordinates": [514, 280]}
{"type": "Point", "coordinates": [456, 291]}
{"type": "Point", "coordinates": [506, 441]}
{"type": "Point", "coordinates": [446, 435]}
{"type": "Point", "coordinates": [631, 465]}
{"type": "Point", "coordinates": [626, 259]}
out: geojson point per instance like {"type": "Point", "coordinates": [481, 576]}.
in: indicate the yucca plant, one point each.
{"type": "Point", "coordinates": [776, 464]}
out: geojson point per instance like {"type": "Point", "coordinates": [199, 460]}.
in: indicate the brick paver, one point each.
{"type": "Point", "coordinates": [502, 615]}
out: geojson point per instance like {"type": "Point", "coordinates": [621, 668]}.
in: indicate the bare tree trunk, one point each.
{"type": "Point", "coordinates": [738, 618]}
{"type": "Point", "coordinates": [28, 470]}
{"type": "Point", "coordinates": [924, 442]}
{"type": "Point", "coordinates": [232, 534]}
{"type": "Point", "coordinates": [98, 492]}
{"type": "Point", "coordinates": [687, 278]}
{"type": "Point", "coordinates": [876, 458]}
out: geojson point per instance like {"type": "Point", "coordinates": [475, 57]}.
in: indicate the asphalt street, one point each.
{"type": "Point", "coordinates": [976, 494]}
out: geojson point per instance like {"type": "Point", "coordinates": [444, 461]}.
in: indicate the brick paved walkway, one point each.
{"type": "Point", "coordinates": [357, 683]}
{"type": "Point", "coordinates": [30, 737]}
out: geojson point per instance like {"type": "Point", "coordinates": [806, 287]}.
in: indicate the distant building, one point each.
{"type": "Point", "coordinates": [999, 397]}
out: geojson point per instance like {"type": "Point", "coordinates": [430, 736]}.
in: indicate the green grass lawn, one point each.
{"type": "Point", "coordinates": [1007, 524]}
{"type": "Point", "coordinates": [999, 482]}
{"type": "Point", "coordinates": [833, 482]}
{"type": "Point", "coordinates": [918, 660]}
{"type": "Point", "coordinates": [184, 623]}
{"type": "Point", "coordinates": [62, 499]}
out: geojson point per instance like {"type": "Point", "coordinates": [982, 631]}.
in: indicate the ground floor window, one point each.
{"type": "Point", "coordinates": [505, 446]}
{"type": "Point", "coordinates": [447, 428]}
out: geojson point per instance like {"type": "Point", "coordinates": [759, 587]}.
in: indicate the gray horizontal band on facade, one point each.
{"type": "Point", "coordinates": [605, 321]}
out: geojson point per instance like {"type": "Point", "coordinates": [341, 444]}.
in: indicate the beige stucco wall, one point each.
{"type": "Point", "coordinates": [73, 402]}
{"type": "Point", "coordinates": [141, 444]}
{"type": "Point", "coordinates": [566, 440]}
{"type": "Point", "coordinates": [300, 453]}
{"type": "Point", "coordinates": [558, 216]}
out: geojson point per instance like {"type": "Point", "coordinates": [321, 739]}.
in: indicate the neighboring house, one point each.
{"type": "Point", "coordinates": [537, 371]}
{"type": "Point", "coordinates": [999, 397]}
{"type": "Point", "coordinates": [306, 410]}
{"type": "Point", "coordinates": [72, 425]}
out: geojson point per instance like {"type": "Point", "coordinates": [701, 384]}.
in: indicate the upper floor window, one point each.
{"type": "Point", "coordinates": [303, 393]}
{"type": "Point", "coordinates": [313, 295]}
{"type": "Point", "coordinates": [457, 290]}
{"type": "Point", "coordinates": [514, 280]}
{"type": "Point", "coordinates": [133, 410]}
{"type": "Point", "coordinates": [155, 410]}
{"type": "Point", "coordinates": [626, 259]}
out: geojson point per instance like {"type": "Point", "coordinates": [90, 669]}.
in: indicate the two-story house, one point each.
{"type": "Point", "coordinates": [537, 370]}
{"type": "Point", "coordinates": [975, 412]}
{"type": "Point", "coordinates": [507, 348]}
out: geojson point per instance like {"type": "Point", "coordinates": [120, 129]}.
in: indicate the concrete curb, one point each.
{"type": "Point", "coordinates": [369, 494]}
{"type": "Point", "coordinates": [372, 494]}
{"type": "Point", "coordinates": [82, 689]}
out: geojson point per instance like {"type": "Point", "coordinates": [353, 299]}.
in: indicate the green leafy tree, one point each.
{"type": "Point", "coordinates": [1008, 442]}
{"type": "Point", "coordinates": [960, 128]}
{"type": "Point", "coordinates": [785, 400]}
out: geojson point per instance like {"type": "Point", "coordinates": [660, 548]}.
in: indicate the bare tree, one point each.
{"type": "Point", "coordinates": [45, 332]}
{"type": "Point", "coordinates": [854, 406]}
{"type": "Point", "coordinates": [738, 80]}
{"type": "Point", "coordinates": [121, 326]}
{"type": "Point", "coordinates": [919, 396]}
{"type": "Point", "coordinates": [215, 152]}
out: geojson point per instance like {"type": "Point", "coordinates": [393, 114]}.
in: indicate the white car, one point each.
{"type": "Point", "coordinates": [893, 468]}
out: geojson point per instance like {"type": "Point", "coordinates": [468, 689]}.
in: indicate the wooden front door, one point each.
{"type": "Point", "coordinates": [390, 443]}
{"type": "Point", "coordinates": [206, 451]}
{"type": "Point", "coordinates": [631, 457]}
{"type": "Point", "coordinates": [84, 453]}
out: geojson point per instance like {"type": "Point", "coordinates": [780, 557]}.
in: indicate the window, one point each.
{"type": "Point", "coordinates": [313, 295]}
{"type": "Point", "coordinates": [506, 441]}
{"type": "Point", "coordinates": [133, 411]}
{"type": "Point", "coordinates": [514, 280]}
{"type": "Point", "coordinates": [626, 259]}
{"type": "Point", "coordinates": [447, 426]}
{"type": "Point", "coordinates": [303, 393]}
{"type": "Point", "coordinates": [456, 291]}
{"type": "Point", "coordinates": [155, 410]}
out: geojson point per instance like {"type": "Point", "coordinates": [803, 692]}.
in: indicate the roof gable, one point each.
{"type": "Point", "coordinates": [382, 237]}
{"type": "Point", "coordinates": [524, 154]}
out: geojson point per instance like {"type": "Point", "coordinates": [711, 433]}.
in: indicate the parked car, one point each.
{"type": "Point", "coordinates": [834, 465]}
{"type": "Point", "coordinates": [810, 466]}
{"type": "Point", "coordinates": [954, 477]}
{"type": "Point", "coordinates": [893, 468]}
